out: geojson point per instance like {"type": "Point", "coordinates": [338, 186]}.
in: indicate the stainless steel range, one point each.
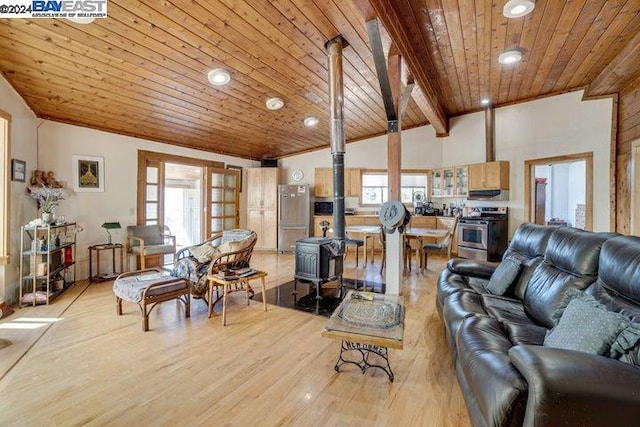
{"type": "Point", "coordinates": [482, 233]}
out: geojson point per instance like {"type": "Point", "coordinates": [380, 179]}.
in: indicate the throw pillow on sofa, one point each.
{"type": "Point", "coordinates": [587, 326]}
{"type": "Point", "coordinates": [504, 276]}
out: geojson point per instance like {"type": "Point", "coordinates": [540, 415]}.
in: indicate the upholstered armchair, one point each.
{"type": "Point", "coordinates": [147, 240]}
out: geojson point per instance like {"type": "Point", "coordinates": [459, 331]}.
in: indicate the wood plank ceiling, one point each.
{"type": "Point", "coordinates": [143, 70]}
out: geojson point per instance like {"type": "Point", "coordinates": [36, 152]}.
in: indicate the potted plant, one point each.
{"type": "Point", "coordinates": [48, 198]}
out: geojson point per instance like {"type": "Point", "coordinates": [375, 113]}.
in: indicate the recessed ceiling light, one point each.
{"type": "Point", "coordinates": [518, 8]}
{"type": "Point", "coordinates": [274, 103]}
{"type": "Point", "coordinates": [219, 77]}
{"type": "Point", "coordinates": [485, 101]}
{"type": "Point", "coordinates": [510, 57]}
{"type": "Point", "coordinates": [83, 20]}
{"type": "Point", "coordinates": [310, 121]}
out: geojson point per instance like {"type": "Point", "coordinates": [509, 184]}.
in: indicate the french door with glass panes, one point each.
{"type": "Point", "coordinates": [223, 200]}
{"type": "Point", "coordinates": [219, 193]}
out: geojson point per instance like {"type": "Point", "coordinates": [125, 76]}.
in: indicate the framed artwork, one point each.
{"type": "Point", "coordinates": [18, 170]}
{"type": "Point", "coordinates": [239, 169]}
{"type": "Point", "coordinates": [88, 173]}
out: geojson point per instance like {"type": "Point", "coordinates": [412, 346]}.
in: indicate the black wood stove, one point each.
{"type": "Point", "coordinates": [318, 260]}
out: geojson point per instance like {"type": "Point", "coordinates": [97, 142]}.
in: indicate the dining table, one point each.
{"type": "Point", "coordinates": [367, 232]}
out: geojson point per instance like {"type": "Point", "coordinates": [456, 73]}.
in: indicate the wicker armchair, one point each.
{"type": "Point", "coordinates": [229, 249]}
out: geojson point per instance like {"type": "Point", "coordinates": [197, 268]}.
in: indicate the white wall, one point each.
{"type": "Point", "coordinates": [547, 127]}
{"type": "Point", "coordinates": [22, 208]}
{"type": "Point", "coordinates": [59, 142]}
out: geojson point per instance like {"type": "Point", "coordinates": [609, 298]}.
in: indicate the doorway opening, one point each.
{"type": "Point", "coordinates": [559, 191]}
{"type": "Point", "coordinates": [183, 202]}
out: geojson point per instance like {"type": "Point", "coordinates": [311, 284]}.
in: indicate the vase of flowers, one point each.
{"type": "Point", "coordinates": [48, 198]}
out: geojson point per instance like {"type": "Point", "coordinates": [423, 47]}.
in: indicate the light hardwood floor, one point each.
{"type": "Point", "coordinates": [94, 368]}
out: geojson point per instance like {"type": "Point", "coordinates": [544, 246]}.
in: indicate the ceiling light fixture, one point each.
{"type": "Point", "coordinates": [518, 8]}
{"type": "Point", "coordinates": [485, 101]}
{"type": "Point", "coordinates": [274, 103]}
{"type": "Point", "coordinates": [310, 121]}
{"type": "Point", "coordinates": [510, 57]}
{"type": "Point", "coordinates": [218, 77]}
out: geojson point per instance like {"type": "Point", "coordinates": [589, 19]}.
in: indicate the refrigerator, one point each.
{"type": "Point", "coordinates": [294, 216]}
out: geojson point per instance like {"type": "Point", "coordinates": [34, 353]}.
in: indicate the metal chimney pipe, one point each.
{"type": "Point", "coordinates": [336, 104]}
{"type": "Point", "coordinates": [490, 133]}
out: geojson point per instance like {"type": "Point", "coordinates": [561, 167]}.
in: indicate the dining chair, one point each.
{"type": "Point", "coordinates": [409, 250]}
{"type": "Point", "coordinates": [444, 245]}
{"type": "Point", "coordinates": [356, 243]}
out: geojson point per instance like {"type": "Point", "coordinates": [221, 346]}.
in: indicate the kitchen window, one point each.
{"type": "Point", "coordinates": [375, 187]}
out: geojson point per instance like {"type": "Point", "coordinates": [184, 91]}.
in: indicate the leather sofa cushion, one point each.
{"type": "Point", "coordinates": [520, 333]}
{"type": "Point", "coordinates": [570, 261]}
{"type": "Point", "coordinates": [619, 268]}
{"type": "Point", "coordinates": [575, 251]}
{"type": "Point", "coordinates": [450, 283]}
{"type": "Point", "coordinates": [529, 240]}
{"type": "Point", "coordinates": [497, 387]}
{"type": "Point", "coordinates": [505, 309]}
{"type": "Point", "coordinates": [458, 307]}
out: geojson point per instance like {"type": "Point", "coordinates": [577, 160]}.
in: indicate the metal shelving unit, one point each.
{"type": "Point", "coordinates": [47, 261]}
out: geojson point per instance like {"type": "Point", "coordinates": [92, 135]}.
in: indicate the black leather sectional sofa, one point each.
{"type": "Point", "coordinates": [557, 341]}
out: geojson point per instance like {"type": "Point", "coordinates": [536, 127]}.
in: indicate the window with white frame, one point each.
{"type": "Point", "coordinates": [375, 187]}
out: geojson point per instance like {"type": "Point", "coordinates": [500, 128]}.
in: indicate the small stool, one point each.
{"type": "Point", "coordinates": [215, 280]}
{"type": "Point", "coordinates": [149, 287]}
{"type": "Point", "coordinates": [353, 242]}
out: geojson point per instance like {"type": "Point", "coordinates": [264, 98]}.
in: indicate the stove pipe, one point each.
{"type": "Point", "coordinates": [490, 133]}
{"type": "Point", "coordinates": [336, 102]}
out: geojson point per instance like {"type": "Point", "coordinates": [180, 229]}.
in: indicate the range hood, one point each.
{"type": "Point", "coordinates": [498, 195]}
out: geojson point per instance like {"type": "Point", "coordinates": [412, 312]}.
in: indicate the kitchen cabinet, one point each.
{"type": "Point", "coordinates": [323, 184]}
{"type": "Point", "coordinates": [47, 261]}
{"type": "Point", "coordinates": [462, 181]}
{"type": "Point", "coordinates": [436, 183]}
{"type": "Point", "coordinates": [352, 182]}
{"type": "Point", "coordinates": [448, 182]}
{"type": "Point", "coordinates": [489, 176]}
{"type": "Point", "coordinates": [262, 206]}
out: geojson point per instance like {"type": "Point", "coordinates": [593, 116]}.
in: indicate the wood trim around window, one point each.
{"type": "Point", "coordinates": [528, 184]}
{"type": "Point", "coordinates": [5, 182]}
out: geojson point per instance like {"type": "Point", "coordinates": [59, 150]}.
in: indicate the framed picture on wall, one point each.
{"type": "Point", "coordinates": [88, 173]}
{"type": "Point", "coordinates": [18, 170]}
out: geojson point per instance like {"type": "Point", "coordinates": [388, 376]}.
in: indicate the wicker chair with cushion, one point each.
{"type": "Point", "coordinates": [148, 240]}
{"type": "Point", "coordinates": [229, 249]}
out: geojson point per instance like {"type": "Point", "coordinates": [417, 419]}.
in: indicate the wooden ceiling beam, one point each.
{"type": "Point", "coordinates": [620, 72]}
{"type": "Point", "coordinates": [432, 108]}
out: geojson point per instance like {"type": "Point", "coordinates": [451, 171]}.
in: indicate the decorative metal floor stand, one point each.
{"type": "Point", "coordinates": [365, 350]}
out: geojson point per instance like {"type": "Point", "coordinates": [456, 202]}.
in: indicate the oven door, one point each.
{"type": "Point", "coordinates": [473, 234]}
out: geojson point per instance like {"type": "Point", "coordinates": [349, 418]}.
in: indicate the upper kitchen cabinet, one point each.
{"type": "Point", "coordinates": [489, 176]}
{"type": "Point", "coordinates": [462, 181]}
{"type": "Point", "coordinates": [323, 186]}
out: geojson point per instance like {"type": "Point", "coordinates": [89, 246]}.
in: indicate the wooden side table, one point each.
{"type": "Point", "coordinates": [215, 281]}
{"type": "Point", "coordinates": [97, 249]}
